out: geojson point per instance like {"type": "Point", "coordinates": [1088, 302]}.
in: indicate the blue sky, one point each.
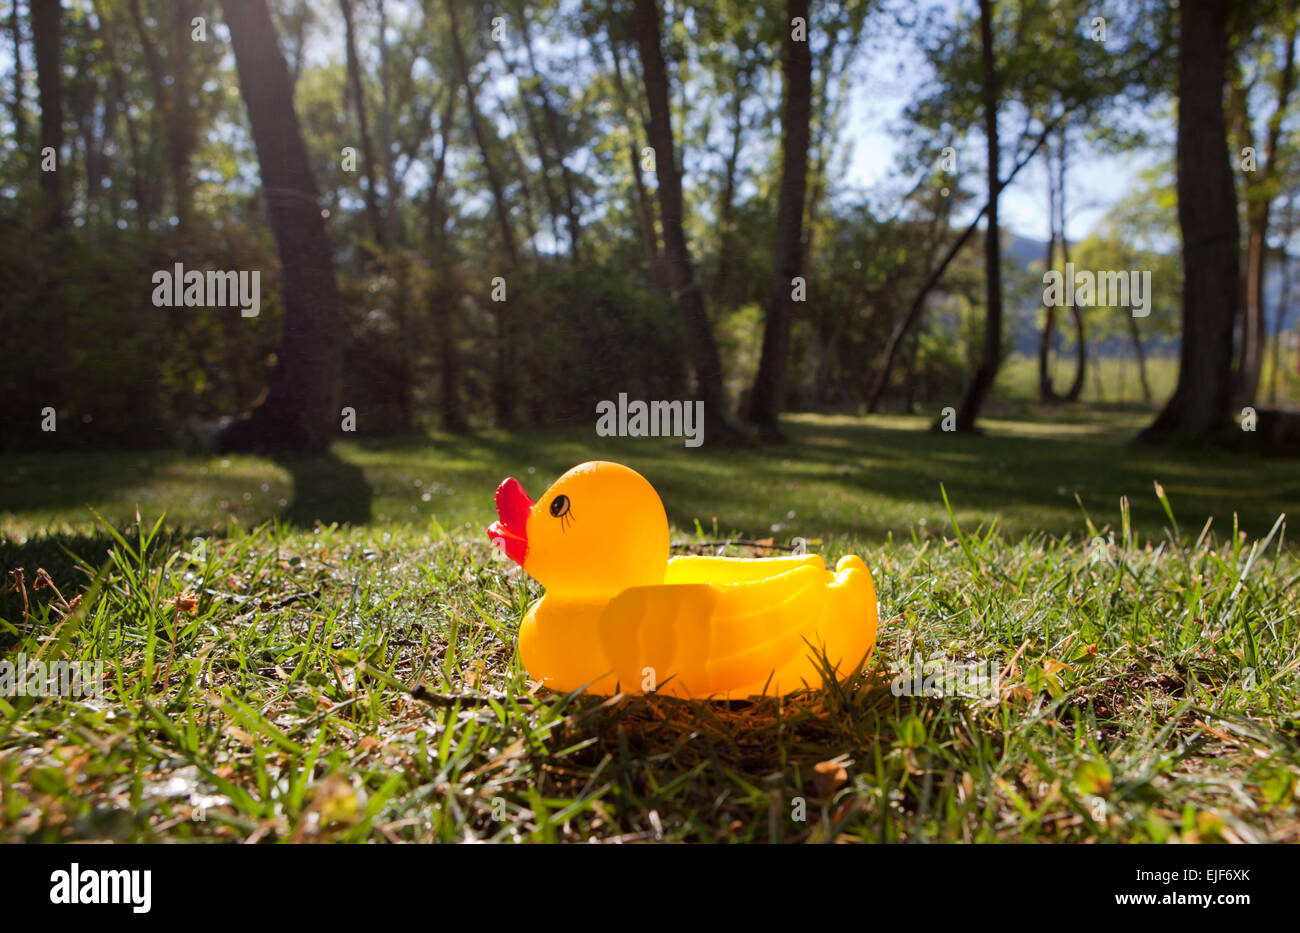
{"type": "Point", "coordinates": [889, 75]}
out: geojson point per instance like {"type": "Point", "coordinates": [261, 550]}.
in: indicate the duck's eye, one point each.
{"type": "Point", "coordinates": [559, 506]}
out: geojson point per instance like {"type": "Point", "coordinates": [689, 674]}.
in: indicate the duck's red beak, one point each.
{"type": "Point", "coordinates": [510, 531]}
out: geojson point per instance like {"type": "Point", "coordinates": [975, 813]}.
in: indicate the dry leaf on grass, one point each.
{"type": "Point", "coordinates": [829, 776]}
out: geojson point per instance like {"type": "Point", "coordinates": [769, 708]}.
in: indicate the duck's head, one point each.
{"type": "Point", "coordinates": [598, 530]}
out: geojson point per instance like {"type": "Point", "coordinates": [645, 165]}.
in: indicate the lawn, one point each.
{"type": "Point", "coordinates": [841, 476]}
{"type": "Point", "coordinates": [271, 675]}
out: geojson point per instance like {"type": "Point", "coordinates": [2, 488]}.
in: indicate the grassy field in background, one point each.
{"type": "Point", "coordinates": [844, 476]}
{"type": "Point", "coordinates": [1109, 380]}
{"type": "Point", "coordinates": [287, 680]}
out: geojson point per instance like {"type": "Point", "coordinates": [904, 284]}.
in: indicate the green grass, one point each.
{"type": "Point", "coordinates": [1110, 380]}
{"type": "Point", "coordinates": [841, 475]}
{"type": "Point", "coordinates": [360, 683]}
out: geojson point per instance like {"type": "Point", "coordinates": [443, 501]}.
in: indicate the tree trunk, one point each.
{"type": "Point", "coordinates": [1056, 210]}
{"type": "Point", "coordinates": [699, 331]}
{"type": "Point", "coordinates": [374, 216]}
{"type": "Point", "coordinates": [301, 408]}
{"type": "Point", "coordinates": [1081, 360]}
{"type": "Point", "coordinates": [552, 119]}
{"type": "Point", "coordinates": [1207, 217]}
{"type": "Point", "coordinates": [1045, 391]}
{"type": "Point", "coordinates": [987, 371]}
{"type": "Point", "coordinates": [880, 380]}
{"type": "Point", "coordinates": [510, 142]}
{"type": "Point", "coordinates": [17, 108]}
{"type": "Point", "coordinates": [823, 118]}
{"type": "Point", "coordinates": [1096, 384]}
{"type": "Point", "coordinates": [1279, 315]}
{"type": "Point", "coordinates": [1260, 193]}
{"type": "Point", "coordinates": [645, 211]}
{"type": "Point", "coordinates": [1141, 356]}
{"type": "Point", "coordinates": [394, 233]}
{"type": "Point", "coordinates": [180, 115]}
{"type": "Point", "coordinates": [117, 82]}
{"type": "Point", "coordinates": [1283, 298]}
{"type": "Point", "coordinates": [1076, 313]}
{"type": "Point", "coordinates": [46, 29]}
{"type": "Point", "coordinates": [390, 215]}
{"type": "Point", "coordinates": [158, 114]}
{"type": "Point", "coordinates": [503, 381]}
{"type": "Point", "coordinates": [554, 209]}
{"type": "Point", "coordinates": [768, 394]}
{"type": "Point", "coordinates": [824, 374]}
{"type": "Point", "coordinates": [913, 313]}
{"type": "Point", "coordinates": [442, 297]}
{"type": "Point", "coordinates": [909, 380]}
{"type": "Point", "coordinates": [721, 291]}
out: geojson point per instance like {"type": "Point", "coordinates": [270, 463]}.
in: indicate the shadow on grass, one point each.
{"type": "Point", "coordinates": [839, 475]}
{"type": "Point", "coordinates": [71, 561]}
{"type": "Point", "coordinates": [326, 489]}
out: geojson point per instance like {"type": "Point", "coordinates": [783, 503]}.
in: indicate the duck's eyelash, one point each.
{"type": "Point", "coordinates": [565, 519]}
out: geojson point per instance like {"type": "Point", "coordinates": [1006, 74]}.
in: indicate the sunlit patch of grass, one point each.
{"type": "Point", "coordinates": [867, 478]}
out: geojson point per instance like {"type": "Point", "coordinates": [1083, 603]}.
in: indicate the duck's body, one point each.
{"type": "Point", "coordinates": [687, 627]}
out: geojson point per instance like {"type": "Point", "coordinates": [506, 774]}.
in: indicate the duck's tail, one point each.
{"type": "Point", "coordinates": [844, 639]}
{"type": "Point", "coordinates": [849, 628]}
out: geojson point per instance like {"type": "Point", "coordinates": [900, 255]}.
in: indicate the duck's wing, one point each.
{"type": "Point", "coordinates": [720, 570]}
{"type": "Point", "coordinates": [704, 639]}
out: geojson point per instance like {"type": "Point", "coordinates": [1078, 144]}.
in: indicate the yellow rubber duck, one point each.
{"type": "Point", "coordinates": [619, 615]}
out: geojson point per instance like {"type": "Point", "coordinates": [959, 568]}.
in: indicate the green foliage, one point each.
{"type": "Point", "coordinates": [80, 334]}
{"type": "Point", "coordinates": [589, 334]}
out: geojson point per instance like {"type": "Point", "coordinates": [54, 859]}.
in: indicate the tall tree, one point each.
{"type": "Point", "coordinates": [180, 113]}
{"type": "Point", "coordinates": [552, 119]}
{"type": "Point", "coordinates": [442, 296]}
{"type": "Point", "coordinates": [1076, 313]}
{"type": "Point", "coordinates": [721, 289]}
{"type": "Point", "coordinates": [1283, 297]}
{"type": "Point", "coordinates": [301, 407]}
{"type": "Point", "coordinates": [1057, 235]}
{"type": "Point", "coordinates": [503, 381]}
{"type": "Point", "coordinates": [647, 228]}
{"type": "Point", "coordinates": [787, 265]}
{"type": "Point", "coordinates": [17, 106]}
{"type": "Point", "coordinates": [173, 117]}
{"type": "Point", "coordinates": [153, 187]}
{"type": "Point", "coordinates": [1045, 391]}
{"type": "Point", "coordinates": [1207, 218]}
{"type": "Point", "coordinates": [117, 82]}
{"type": "Point", "coordinates": [1047, 68]}
{"type": "Point", "coordinates": [991, 359]}
{"type": "Point", "coordinates": [386, 118]}
{"type": "Point", "coordinates": [358, 94]}
{"type": "Point", "coordinates": [540, 145]}
{"type": "Point", "coordinates": [646, 28]}
{"type": "Point", "coordinates": [47, 26]}
{"type": "Point", "coordinates": [1261, 190]}
{"type": "Point", "coordinates": [913, 313]}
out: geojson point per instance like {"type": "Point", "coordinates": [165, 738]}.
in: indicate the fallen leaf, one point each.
{"type": "Point", "coordinates": [829, 776]}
